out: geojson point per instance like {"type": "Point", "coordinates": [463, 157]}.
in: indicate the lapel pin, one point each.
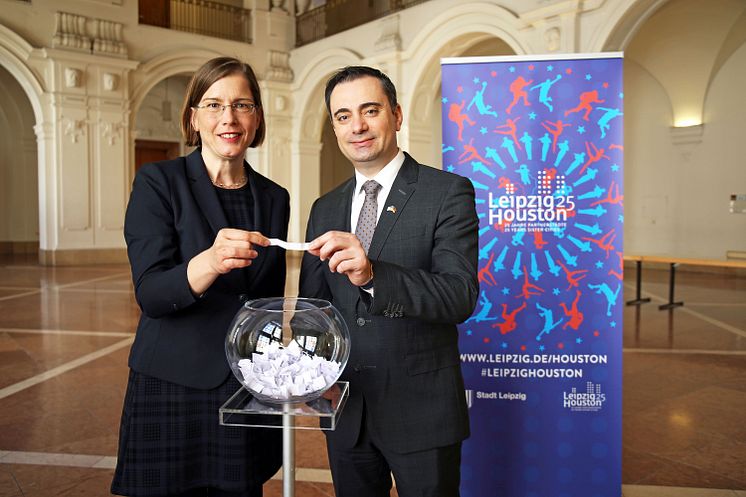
{"type": "Point", "coordinates": [391, 208]}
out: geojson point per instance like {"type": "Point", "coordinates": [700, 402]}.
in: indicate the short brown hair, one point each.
{"type": "Point", "coordinates": [211, 71]}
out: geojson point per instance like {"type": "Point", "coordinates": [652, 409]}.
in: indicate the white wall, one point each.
{"type": "Point", "coordinates": [685, 65]}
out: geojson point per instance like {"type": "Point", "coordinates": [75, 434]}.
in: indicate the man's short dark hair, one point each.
{"type": "Point", "coordinates": [351, 73]}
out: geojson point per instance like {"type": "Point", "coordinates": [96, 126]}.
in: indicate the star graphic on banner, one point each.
{"type": "Point", "coordinates": [613, 324]}
{"type": "Point", "coordinates": [621, 218]}
{"type": "Point", "coordinates": [511, 69]}
{"type": "Point", "coordinates": [555, 291]}
{"type": "Point", "coordinates": [588, 77]}
{"type": "Point", "coordinates": [483, 130]}
{"type": "Point", "coordinates": [468, 332]}
{"type": "Point", "coordinates": [615, 167]}
{"type": "Point", "coordinates": [460, 89]}
{"type": "Point", "coordinates": [568, 70]}
{"type": "Point", "coordinates": [493, 73]}
{"type": "Point", "coordinates": [541, 347]}
{"type": "Point", "coordinates": [578, 340]}
{"type": "Point", "coordinates": [504, 345]}
{"type": "Point", "coordinates": [450, 168]}
{"type": "Point", "coordinates": [605, 84]}
{"type": "Point", "coordinates": [506, 291]}
{"type": "Point", "coordinates": [581, 130]}
{"type": "Point", "coordinates": [599, 264]}
{"type": "Point", "coordinates": [621, 95]}
{"type": "Point", "coordinates": [531, 67]}
{"type": "Point", "coordinates": [550, 68]}
{"type": "Point", "coordinates": [444, 100]}
{"type": "Point", "coordinates": [532, 115]}
{"type": "Point", "coordinates": [476, 80]}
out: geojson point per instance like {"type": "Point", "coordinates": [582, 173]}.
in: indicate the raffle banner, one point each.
{"type": "Point", "coordinates": [541, 140]}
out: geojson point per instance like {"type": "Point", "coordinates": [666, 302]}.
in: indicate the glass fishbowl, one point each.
{"type": "Point", "coordinates": [287, 350]}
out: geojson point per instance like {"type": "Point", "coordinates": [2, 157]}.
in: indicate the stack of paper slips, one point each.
{"type": "Point", "coordinates": [285, 372]}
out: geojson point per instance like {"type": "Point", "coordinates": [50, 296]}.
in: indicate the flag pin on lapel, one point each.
{"type": "Point", "coordinates": [391, 208]}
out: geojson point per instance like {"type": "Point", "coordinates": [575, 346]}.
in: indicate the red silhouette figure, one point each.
{"type": "Point", "coordinates": [526, 292]}
{"type": "Point", "coordinates": [586, 99]}
{"type": "Point", "coordinates": [596, 155]}
{"type": "Point", "coordinates": [509, 324]}
{"type": "Point", "coordinates": [485, 275]}
{"type": "Point", "coordinates": [501, 225]}
{"type": "Point", "coordinates": [611, 199]}
{"type": "Point", "coordinates": [555, 128]}
{"type": "Point", "coordinates": [572, 276]}
{"type": "Point", "coordinates": [619, 274]}
{"type": "Point", "coordinates": [470, 152]}
{"type": "Point", "coordinates": [576, 317]}
{"type": "Point", "coordinates": [510, 131]}
{"type": "Point", "coordinates": [455, 115]}
{"type": "Point", "coordinates": [604, 242]}
{"type": "Point", "coordinates": [550, 173]}
{"type": "Point", "coordinates": [517, 89]}
{"type": "Point", "coordinates": [503, 182]}
{"type": "Point", "coordinates": [539, 241]}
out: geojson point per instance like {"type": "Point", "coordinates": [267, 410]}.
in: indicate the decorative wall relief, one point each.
{"type": "Point", "coordinates": [110, 131]}
{"type": "Point", "coordinates": [73, 77]}
{"type": "Point", "coordinates": [278, 68]}
{"type": "Point", "coordinates": [552, 39]}
{"type": "Point", "coordinates": [74, 128]}
{"type": "Point", "coordinates": [110, 81]}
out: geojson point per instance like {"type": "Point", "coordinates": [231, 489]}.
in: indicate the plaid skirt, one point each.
{"type": "Point", "coordinates": [171, 441]}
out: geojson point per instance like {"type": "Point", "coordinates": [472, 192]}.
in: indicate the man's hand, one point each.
{"type": "Point", "coordinates": [345, 254]}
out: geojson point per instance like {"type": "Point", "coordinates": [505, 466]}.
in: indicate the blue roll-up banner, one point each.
{"type": "Point", "coordinates": [541, 139]}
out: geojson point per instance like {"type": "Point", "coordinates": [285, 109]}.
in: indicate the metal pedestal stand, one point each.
{"type": "Point", "coordinates": [242, 409]}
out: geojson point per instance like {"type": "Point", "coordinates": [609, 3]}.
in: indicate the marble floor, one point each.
{"type": "Point", "coordinates": [65, 333]}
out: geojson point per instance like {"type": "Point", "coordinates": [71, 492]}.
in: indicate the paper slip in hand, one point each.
{"type": "Point", "coordinates": [288, 245]}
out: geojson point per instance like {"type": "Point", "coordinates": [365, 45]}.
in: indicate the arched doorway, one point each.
{"type": "Point", "coordinates": [425, 128]}
{"type": "Point", "coordinates": [19, 184]}
{"type": "Point", "coordinates": [157, 122]}
{"type": "Point", "coordinates": [335, 168]}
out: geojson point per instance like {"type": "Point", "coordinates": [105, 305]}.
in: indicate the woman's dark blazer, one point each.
{"type": "Point", "coordinates": [174, 214]}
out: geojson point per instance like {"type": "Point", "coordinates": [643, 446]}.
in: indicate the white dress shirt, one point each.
{"type": "Point", "coordinates": [385, 178]}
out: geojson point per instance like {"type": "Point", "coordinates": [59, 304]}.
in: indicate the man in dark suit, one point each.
{"type": "Point", "coordinates": [402, 280]}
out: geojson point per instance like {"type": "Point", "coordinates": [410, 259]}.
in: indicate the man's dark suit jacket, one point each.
{"type": "Point", "coordinates": [174, 214]}
{"type": "Point", "coordinates": [404, 364]}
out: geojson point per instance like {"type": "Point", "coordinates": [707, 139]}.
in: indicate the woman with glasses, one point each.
{"type": "Point", "coordinates": [197, 231]}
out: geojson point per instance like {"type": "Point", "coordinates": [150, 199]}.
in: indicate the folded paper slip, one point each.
{"type": "Point", "coordinates": [288, 245]}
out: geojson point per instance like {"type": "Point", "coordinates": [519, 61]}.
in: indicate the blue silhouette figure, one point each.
{"type": "Point", "coordinates": [483, 314]}
{"type": "Point", "coordinates": [544, 91]}
{"type": "Point", "coordinates": [603, 289]}
{"type": "Point", "coordinates": [525, 176]}
{"type": "Point", "coordinates": [549, 323]}
{"type": "Point", "coordinates": [609, 114]}
{"type": "Point", "coordinates": [479, 101]}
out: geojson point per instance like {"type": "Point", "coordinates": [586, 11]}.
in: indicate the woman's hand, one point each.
{"type": "Point", "coordinates": [231, 249]}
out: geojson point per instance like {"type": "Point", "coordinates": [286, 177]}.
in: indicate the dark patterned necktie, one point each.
{"type": "Point", "coordinates": [366, 223]}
